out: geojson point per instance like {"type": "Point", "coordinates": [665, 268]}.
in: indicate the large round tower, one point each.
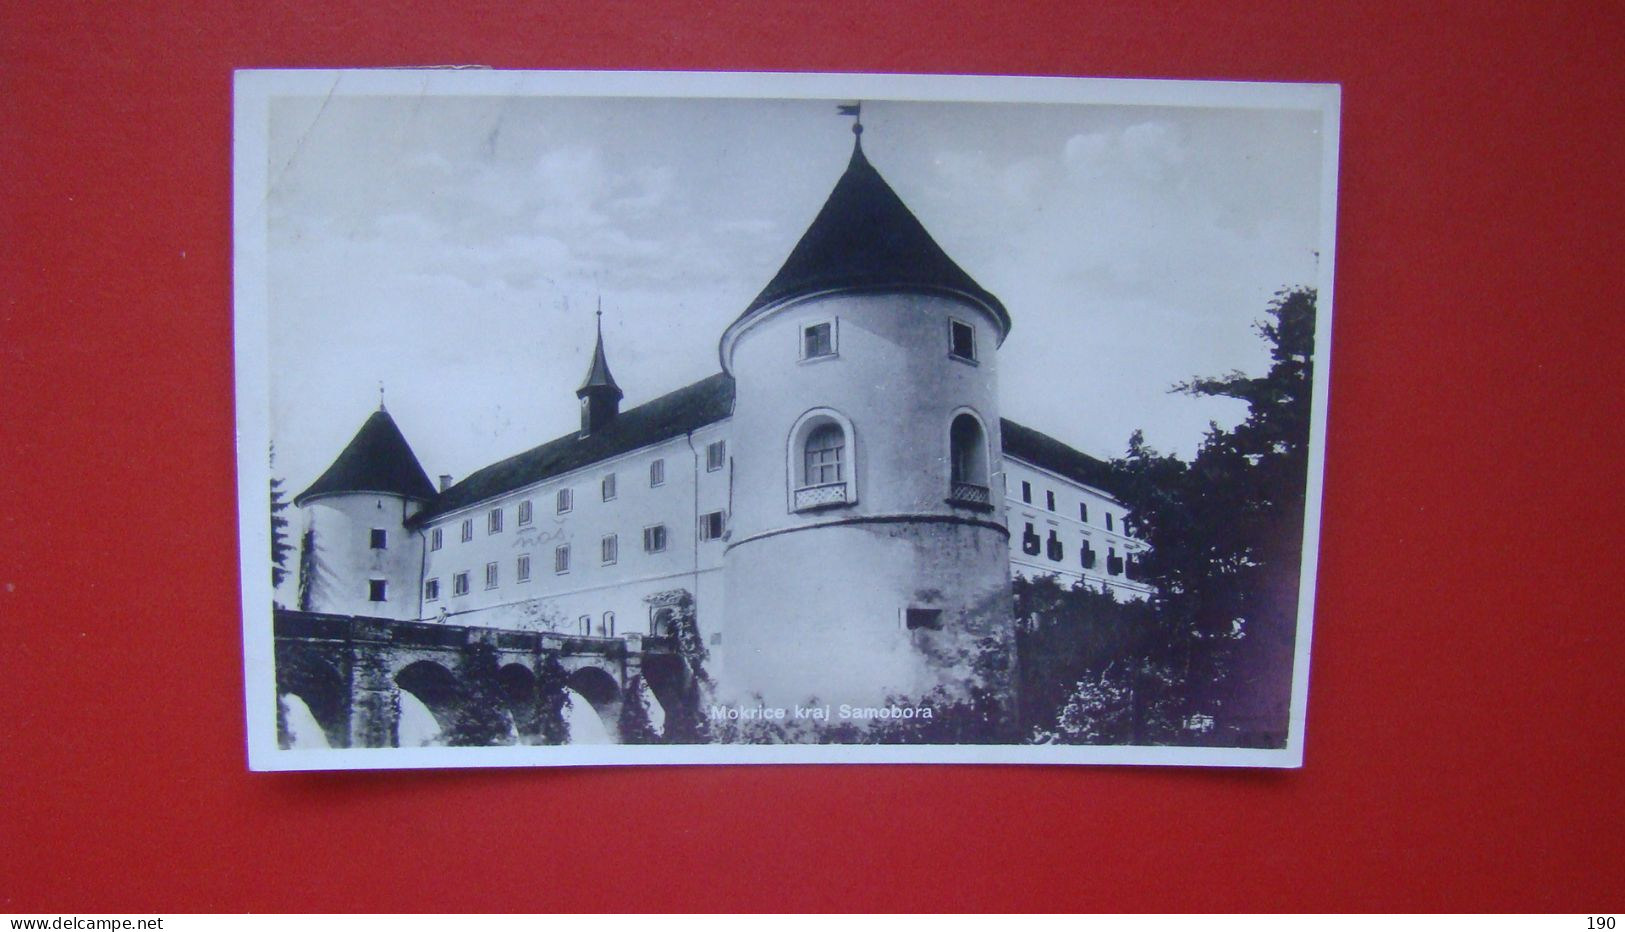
{"type": "Point", "coordinates": [356, 555]}
{"type": "Point", "coordinates": [867, 555]}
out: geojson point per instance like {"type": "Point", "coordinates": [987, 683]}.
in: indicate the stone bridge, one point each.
{"type": "Point", "coordinates": [484, 686]}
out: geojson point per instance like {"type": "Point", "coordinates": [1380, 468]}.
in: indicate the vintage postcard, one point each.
{"type": "Point", "coordinates": [630, 418]}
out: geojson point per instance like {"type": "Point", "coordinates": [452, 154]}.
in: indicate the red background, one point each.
{"type": "Point", "coordinates": [1465, 725]}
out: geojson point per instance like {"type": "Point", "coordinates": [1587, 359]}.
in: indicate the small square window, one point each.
{"type": "Point", "coordinates": [459, 584]}
{"type": "Point", "coordinates": [493, 521]}
{"type": "Point", "coordinates": [436, 539]}
{"type": "Point", "coordinates": [525, 516]}
{"type": "Point", "coordinates": [711, 526]}
{"type": "Point", "coordinates": [522, 568]}
{"type": "Point", "coordinates": [607, 487]}
{"type": "Point", "coordinates": [564, 501]}
{"type": "Point", "coordinates": [716, 454]}
{"type": "Point", "coordinates": [962, 340]}
{"type": "Point", "coordinates": [431, 590]}
{"type": "Point", "coordinates": [928, 619]}
{"type": "Point", "coordinates": [818, 340]}
{"type": "Point", "coordinates": [561, 558]}
{"type": "Point", "coordinates": [657, 473]}
{"type": "Point", "coordinates": [377, 590]}
{"type": "Point", "coordinates": [609, 549]}
{"type": "Point", "coordinates": [490, 575]}
{"type": "Point", "coordinates": [380, 538]}
{"type": "Point", "coordinates": [654, 539]}
{"type": "Point", "coordinates": [468, 530]}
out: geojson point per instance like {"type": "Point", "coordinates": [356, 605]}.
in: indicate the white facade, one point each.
{"type": "Point", "coordinates": [1065, 522]}
{"type": "Point", "coordinates": [361, 559]}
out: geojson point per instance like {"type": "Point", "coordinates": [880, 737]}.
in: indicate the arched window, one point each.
{"type": "Point", "coordinates": [825, 454]}
{"type": "Point", "coordinates": [608, 628]}
{"type": "Point", "coordinates": [821, 465]}
{"type": "Point", "coordinates": [585, 621]}
{"type": "Point", "coordinates": [967, 462]}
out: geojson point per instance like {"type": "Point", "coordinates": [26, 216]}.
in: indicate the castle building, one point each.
{"type": "Point", "coordinates": [838, 512]}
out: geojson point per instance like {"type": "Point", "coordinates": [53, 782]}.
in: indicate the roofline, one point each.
{"type": "Point", "coordinates": [730, 336]}
{"type": "Point", "coordinates": [304, 498]}
{"type": "Point", "coordinates": [419, 521]}
{"type": "Point", "coordinates": [1103, 493]}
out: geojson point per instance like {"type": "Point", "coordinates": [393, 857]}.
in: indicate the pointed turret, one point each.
{"type": "Point", "coordinates": [866, 239]}
{"type": "Point", "coordinates": [600, 396]}
{"type": "Point", "coordinates": [377, 459]}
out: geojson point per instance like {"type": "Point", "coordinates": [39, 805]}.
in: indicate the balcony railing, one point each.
{"type": "Point", "coordinates": [969, 493]}
{"type": "Point", "coordinates": [821, 496]}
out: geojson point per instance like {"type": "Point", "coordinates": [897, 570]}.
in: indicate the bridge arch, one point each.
{"type": "Point", "coordinates": [602, 692]}
{"type": "Point", "coordinates": [438, 690]}
{"type": "Point", "coordinates": [320, 688]}
{"type": "Point", "coordinates": [521, 693]}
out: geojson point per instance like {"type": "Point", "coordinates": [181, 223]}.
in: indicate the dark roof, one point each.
{"type": "Point", "coordinates": [377, 459]}
{"type": "Point", "coordinates": [704, 402]}
{"type": "Point", "coordinates": [865, 237]}
{"type": "Point", "coordinates": [1046, 452]}
{"type": "Point", "coordinates": [598, 373]}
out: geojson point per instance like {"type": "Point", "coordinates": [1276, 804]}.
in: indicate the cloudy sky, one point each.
{"type": "Point", "coordinates": [454, 249]}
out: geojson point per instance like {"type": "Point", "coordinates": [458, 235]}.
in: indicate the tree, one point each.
{"type": "Point", "coordinates": [1226, 532]}
{"type": "Point", "coordinates": [279, 529]}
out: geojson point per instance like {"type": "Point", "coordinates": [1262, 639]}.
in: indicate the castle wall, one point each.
{"type": "Point", "coordinates": [1104, 532]}
{"type": "Point", "coordinates": [591, 587]}
{"type": "Point", "coordinates": [344, 562]}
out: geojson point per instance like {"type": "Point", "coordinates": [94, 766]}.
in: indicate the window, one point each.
{"type": "Point", "coordinates": [962, 340]}
{"type": "Point", "coordinates": [431, 590]}
{"type": "Point", "coordinates": [716, 454]}
{"type": "Point", "coordinates": [459, 584]}
{"type": "Point", "coordinates": [490, 575]}
{"type": "Point", "coordinates": [524, 513]}
{"type": "Point", "coordinates": [1030, 542]}
{"type": "Point", "coordinates": [818, 340]}
{"type": "Point", "coordinates": [522, 568]}
{"type": "Point", "coordinates": [607, 488]}
{"type": "Point", "coordinates": [561, 558]}
{"type": "Point", "coordinates": [377, 590]}
{"type": "Point", "coordinates": [657, 473]}
{"type": "Point", "coordinates": [711, 526]}
{"type": "Point", "coordinates": [607, 627]}
{"type": "Point", "coordinates": [1053, 548]}
{"type": "Point", "coordinates": [493, 521]}
{"type": "Point", "coordinates": [585, 623]}
{"type": "Point", "coordinates": [1114, 563]}
{"type": "Point", "coordinates": [1083, 512]}
{"type": "Point", "coordinates": [826, 447]}
{"type": "Point", "coordinates": [564, 501]}
{"type": "Point", "coordinates": [654, 539]}
{"type": "Point", "coordinates": [436, 539]}
{"type": "Point", "coordinates": [380, 538]}
{"type": "Point", "coordinates": [468, 530]}
{"type": "Point", "coordinates": [1027, 492]}
{"type": "Point", "coordinates": [1087, 556]}
{"type": "Point", "coordinates": [609, 549]}
{"type": "Point", "coordinates": [1108, 520]}
{"type": "Point", "coordinates": [928, 619]}
{"type": "Point", "coordinates": [1049, 499]}
{"type": "Point", "coordinates": [967, 462]}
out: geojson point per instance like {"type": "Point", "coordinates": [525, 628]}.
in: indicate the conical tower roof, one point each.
{"type": "Point", "coordinates": [598, 376]}
{"type": "Point", "coordinates": [377, 459]}
{"type": "Point", "coordinates": [865, 238]}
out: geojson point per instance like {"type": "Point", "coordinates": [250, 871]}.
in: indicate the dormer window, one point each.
{"type": "Point", "coordinates": [818, 340]}
{"type": "Point", "coordinates": [961, 340]}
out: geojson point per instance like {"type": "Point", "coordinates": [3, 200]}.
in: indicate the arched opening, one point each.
{"type": "Point", "coordinates": [431, 705]}
{"type": "Point", "coordinates": [821, 461]}
{"type": "Point", "coordinates": [607, 626]}
{"type": "Point", "coordinates": [595, 706]}
{"type": "Point", "coordinates": [968, 462]}
{"type": "Point", "coordinates": [523, 699]}
{"type": "Point", "coordinates": [661, 622]}
{"type": "Point", "coordinates": [320, 705]}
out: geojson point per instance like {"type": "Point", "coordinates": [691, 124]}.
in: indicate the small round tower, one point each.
{"type": "Point", "coordinates": [867, 554]}
{"type": "Point", "coordinates": [356, 555]}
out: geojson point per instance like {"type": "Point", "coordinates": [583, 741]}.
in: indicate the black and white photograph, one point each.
{"type": "Point", "coordinates": [636, 418]}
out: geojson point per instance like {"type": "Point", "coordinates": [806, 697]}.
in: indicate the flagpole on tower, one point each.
{"type": "Point", "coordinates": [855, 111]}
